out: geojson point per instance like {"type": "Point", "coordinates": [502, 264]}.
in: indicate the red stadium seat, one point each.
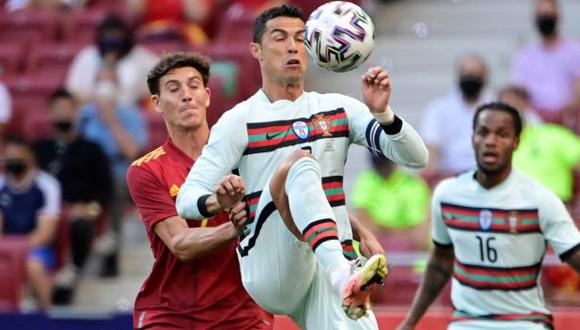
{"type": "Point", "coordinates": [30, 94]}
{"type": "Point", "coordinates": [248, 78]}
{"type": "Point", "coordinates": [13, 255]}
{"type": "Point", "coordinates": [53, 58]}
{"type": "Point", "coordinates": [237, 25]}
{"type": "Point", "coordinates": [37, 125]}
{"type": "Point", "coordinates": [29, 25]}
{"type": "Point", "coordinates": [161, 47]}
{"type": "Point", "coordinates": [83, 23]}
{"type": "Point", "coordinates": [11, 55]}
{"type": "Point", "coordinates": [34, 86]}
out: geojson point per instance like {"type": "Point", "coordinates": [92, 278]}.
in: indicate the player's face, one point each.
{"type": "Point", "coordinates": [494, 141]}
{"type": "Point", "coordinates": [282, 53]}
{"type": "Point", "coordinates": [183, 98]}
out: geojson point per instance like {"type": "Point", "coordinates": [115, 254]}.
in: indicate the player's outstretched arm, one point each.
{"type": "Point", "coordinates": [369, 245]}
{"type": "Point", "coordinates": [188, 244]}
{"type": "Point", "coordinates": [376, 92]}
{"type": "Point", "coordinates": [439, 270]}
{"type": "Point", "coordinates": [574, 260]}
{"type": "Point", "coordinates": [229, 191]}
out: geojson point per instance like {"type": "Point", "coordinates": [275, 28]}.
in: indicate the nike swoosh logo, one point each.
{"type": "Point", "coordinates": [270, 136]}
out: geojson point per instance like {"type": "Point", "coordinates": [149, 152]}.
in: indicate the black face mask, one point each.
{"type": "Point", "coordinates": [546, 24]}
{"type": "Point", "coordinates": [470, 87]}
{"type": "Point", "coordinates": [63, 126]}
{"type": "Point", "coordinates": [15, 167]}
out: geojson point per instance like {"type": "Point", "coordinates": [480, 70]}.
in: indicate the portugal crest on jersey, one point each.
{"type": "Point", "coordinates": [301, 130]}
{"type": "Point", "coordinates": [485, 219]}
{"type": "Point", "coordinates": [323, 123]}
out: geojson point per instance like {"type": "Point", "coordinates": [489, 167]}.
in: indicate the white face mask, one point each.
{"type": "Point", "coordinates": [106, 89]}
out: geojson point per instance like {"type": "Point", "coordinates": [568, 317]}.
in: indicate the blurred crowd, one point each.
{"type": "Point", "coordinates": [75, 112]}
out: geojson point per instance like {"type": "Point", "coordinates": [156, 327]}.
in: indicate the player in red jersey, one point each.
{"type": "Point", "coordinates": [195, 282]}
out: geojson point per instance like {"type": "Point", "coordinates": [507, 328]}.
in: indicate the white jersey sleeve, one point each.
{"type": "Point", "coordinates": [403, 145]}
{"type": "Point", "coordinates": [557, 225]}
{"type": "Point", "coordinates": [227, 142]}
{"type": "Point", "coordinates": [440, 234]}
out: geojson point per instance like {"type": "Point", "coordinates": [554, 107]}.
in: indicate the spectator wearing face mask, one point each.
{"type": "Point", "coordinates": [547, 69]}
{"type": "Point", "coordinates": [114, 47]}
{"type": "Point", "coordinates": [83, 170]}
{"type": "Point", "coordinates": [120, 130]}
{"type": "Point", "coordinates": [30, 207]}
{"type": "Point", "coordinates": [446, 125]}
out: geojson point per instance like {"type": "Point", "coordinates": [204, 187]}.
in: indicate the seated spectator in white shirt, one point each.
{"type": "Point", "coordinates": [447, 121]}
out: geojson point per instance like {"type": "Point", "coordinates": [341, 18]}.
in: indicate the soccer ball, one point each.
{"type": "Point", "coordinates": [339, 36]}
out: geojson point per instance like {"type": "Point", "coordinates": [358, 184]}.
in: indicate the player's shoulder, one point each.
{"type": "Point", "coordinates": [335, 101]}
{"type": "Point", "coordinates": [151, 158]}
{"type": "Point", "coordinates": [454, 184]}
{"type": "Point", "coordinates": [535, 191]}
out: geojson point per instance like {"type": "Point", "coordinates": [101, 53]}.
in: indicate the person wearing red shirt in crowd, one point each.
{"type": "Point", "coordinates": [195, 282]}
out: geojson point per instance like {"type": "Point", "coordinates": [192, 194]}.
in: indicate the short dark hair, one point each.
{"type": "Point", "coordinates": [17, 140]}
{"type": "Point", "coordinates": [519, 91]}
{"type": "Point", "coordinates": [60, 93]}
{"type": "Point", "coordinates": [177, 60]}
{"type": "Point", "coordinates": [280, 11]}
{"type": "Point", "coordinates": [499, 106]}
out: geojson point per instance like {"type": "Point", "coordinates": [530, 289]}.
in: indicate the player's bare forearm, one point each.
{"type": "Point", "coordinates": [439, 270]}
{"type": "Point", "coordinates": [212, 205]}
{"type": "Point", "coordinates": [195, 243]}
{"type": "Point", "coordinates": [369, 245]}
{"type": "Point", "coordinates": [574, 261]}
{"type": "Point", "coordinates": [190, 243]}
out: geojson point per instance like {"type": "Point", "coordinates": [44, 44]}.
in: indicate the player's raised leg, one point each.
{"type": "Point", "coordinates": [297, 192]}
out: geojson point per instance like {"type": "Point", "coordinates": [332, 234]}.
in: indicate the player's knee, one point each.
{"type": "Point", "coordinates": [279, 178]}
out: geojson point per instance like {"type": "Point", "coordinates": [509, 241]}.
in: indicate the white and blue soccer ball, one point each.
{"type": "Point", "coordinates": [339, 36]}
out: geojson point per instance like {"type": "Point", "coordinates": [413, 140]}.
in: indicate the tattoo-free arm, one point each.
{"type": "Point", "coordinates": [574, 260]}
{"type": "Point", "coordinates": [369, 245]}
{"type": "Point", "coordinates": [188, 243]}
{"type": "Point", "coordinates": [439, 270]}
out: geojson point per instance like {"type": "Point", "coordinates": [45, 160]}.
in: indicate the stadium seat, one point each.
{"type": "Point", "coordinates": [219, 104]}
{"type": "Point", "coordinates": [82, 24]}
{"type": "Point", "coordinates": [34, 87]}
{"type": "Point", "coordinates": [248, 78]}
{"type": "Point", "coordinates": [11, 55]}
{"type": "Point", "coordinates": [29, 25]}
{"type": "Point", "coordinates": [53, 58]}
{"type": "Point", "coordinates": [37, 125]}
{"type": "Point", "coordinates": [237, 25]}
{"type": "Point", "coordinates": [160, 47]}
{"type": "Point", "coordinates": [13, 255]}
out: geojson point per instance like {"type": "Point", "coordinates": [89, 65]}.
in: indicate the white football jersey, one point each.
{"type": "Point", "coordinates": [500, 236]}
{"type": "Point", "coordinates": [253, 137]}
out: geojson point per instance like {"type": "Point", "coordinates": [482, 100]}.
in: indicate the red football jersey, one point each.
{"type": "Point", "coordinates": [206, 293]}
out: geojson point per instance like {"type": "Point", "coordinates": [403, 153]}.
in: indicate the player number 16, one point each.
{"type": "Point", "coordinates": [486, 251]}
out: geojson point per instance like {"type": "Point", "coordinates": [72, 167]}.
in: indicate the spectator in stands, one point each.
{"type": "Point", "coordinates": [5, 108]}
{"type": "Point", "coordinates": [30, 206]}
{"type": "Point", "coordinates": [446, 125]}
{"type": "Point", "coordinates": [114, 48]}
{"type": "Point", "coordinates": [83, 170]}
{"type": "Point", "coordinates": [547, 152]}
{"type": "Point", "coordinates": [172, 20]}
{"type": "Point", "coordinates": [392, 203]}
{"type": "Point", "coordinates": [12, 5]}
{"type": "Point", "coordinates": [120, 131]}
{"type": "Point", "coordinates": [548, 69]}
{"type": "Point", "coordinates": [572, 112]}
